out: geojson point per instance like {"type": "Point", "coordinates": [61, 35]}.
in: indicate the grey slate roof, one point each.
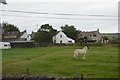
{"type": "Point", "coordinates": [91, 35]}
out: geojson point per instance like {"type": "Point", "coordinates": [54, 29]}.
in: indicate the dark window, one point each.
{"type": "Point", "coordinates": [90, 35]}
{"type": "Point", "coordinates": [60, 36]}
{"type": "Point", "coordinates": [5, 45]}
{"type": "Point", "coordinates": [54, 41]}
{"type": "Point", "coordinates": [60, 41]}
{"type": "Point", "coordinates": [70, 41]}
{"type": "Point", "coordinates": [94, 35]}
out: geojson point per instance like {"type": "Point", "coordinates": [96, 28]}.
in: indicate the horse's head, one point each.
{"type": "Point", "coordinates": [87, 47]}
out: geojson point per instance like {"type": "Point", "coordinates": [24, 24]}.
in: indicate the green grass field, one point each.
{"type": "Point", "coordinates": [101, 62]}
{"type": "Point", "coordinates": [111, 36]}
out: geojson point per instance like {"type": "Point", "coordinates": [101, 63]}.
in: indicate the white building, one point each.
{"type": "Point", "coordinates": [62, 38]}
{"type": "Point", "coordinates": [91, 35]}
{"type": "Point", "coordinates": [26, 36]}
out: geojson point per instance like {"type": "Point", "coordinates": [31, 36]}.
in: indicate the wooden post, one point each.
{"type": "Point", "coordinates": [81, 76]}
{"type": "Point", "coordinates": [27, 72]}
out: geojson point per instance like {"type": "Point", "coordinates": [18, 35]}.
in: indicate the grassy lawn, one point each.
{"type": "Point", "coordinates": [101, 62]}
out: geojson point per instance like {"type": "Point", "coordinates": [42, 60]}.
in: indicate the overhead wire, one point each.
{"type": "Point", "coordinates": [33, 12]}
{"type": "Point", "coordinates": [65, 14]}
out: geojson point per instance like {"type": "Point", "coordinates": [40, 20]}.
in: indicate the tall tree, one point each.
{"type": "Point", "coordinates": [70, 31]}
{"type": "Point", "coordinates": [3, 1]}
{"type": "Point", "coordinates": [9, 27]}
{"type": "Point", "coordinates": [42, 37]}
{"type": "Point", "coordinates": [45, 34]}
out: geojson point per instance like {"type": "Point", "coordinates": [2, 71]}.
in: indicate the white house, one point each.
{"type": "Point", "coordinates": [26, 36]}
{"type": "Point", "coordinates": [5, 45]}
{"type": "Point", "coordinates": [62, 38]}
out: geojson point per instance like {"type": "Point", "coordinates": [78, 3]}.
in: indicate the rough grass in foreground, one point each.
{"type": "Point", "coordinates": [101, 62]}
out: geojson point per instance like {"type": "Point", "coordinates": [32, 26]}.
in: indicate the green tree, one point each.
{"type": "Point", "coordinates": [3, 2]}
{"type": "Point", "coordinates": [105, 38]}
{"type": "Point", "coordinates": [42, 37]}
{"type": "Point", "coordinates": [9, 27]}
{"type": "Point", "coordinates": [45, 34]}
{"type": "Point", "coordinates": [70, 31]}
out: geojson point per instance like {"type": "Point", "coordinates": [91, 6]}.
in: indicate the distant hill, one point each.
{"type": "Point", "coordinates": [111, 35]}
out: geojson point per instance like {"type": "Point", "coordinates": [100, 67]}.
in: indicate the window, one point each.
{"type": "Point", "coordinates": [5, 45]}
{"type": "Point", "coordinates": [70, 41]}
{"type": "Point", "coordinates": [94, 35]}
{"type": "Point", "coordinates": [54, 41]}
{"type": "Point", "coordinates": [90, 35]}
{"type": "Point", "coordinates": [60, 41]}
{"type": "Point", "coordinates": [60, 36]}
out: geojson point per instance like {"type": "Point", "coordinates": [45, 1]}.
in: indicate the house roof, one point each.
{"type": "Point", "coordinates": [15, 33]}
{"type": "Point", "coordinates": [11, 34]}
{"type": "Point", "coordinates": [87, 34]}
{"type": "Point", "coordinates": [90, 32]}
{"type": "Point", "coordinates": [32, 34]}
{"type": "Point", "coordinates": [63, 34]}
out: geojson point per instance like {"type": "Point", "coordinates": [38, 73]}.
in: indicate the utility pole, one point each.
{"type": "Point", "coordinates": [1, 2]}
{"type": "Point", "coordinates": [37, 27]}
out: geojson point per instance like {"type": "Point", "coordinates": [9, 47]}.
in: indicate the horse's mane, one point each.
{"type": "Point", "coordinates": [86, 47]}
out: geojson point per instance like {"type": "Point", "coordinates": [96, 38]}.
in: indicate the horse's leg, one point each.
{"type": "Point", "coordinates": [84, 56]}
{"type": "Point", "coordinates": [77, 56]}
{"type": "Point", "coordinates": [74, 55]}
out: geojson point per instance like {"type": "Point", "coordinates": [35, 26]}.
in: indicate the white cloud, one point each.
{"type": "Point", "coordinates": [104, 1]}
{"type": "Point", "coordinates": [83, 7]}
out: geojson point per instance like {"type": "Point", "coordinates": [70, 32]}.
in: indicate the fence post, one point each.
{"type": "Point", "coordinates": [81, 76]}
{"type": "Point", "coordinates": [27, 72]}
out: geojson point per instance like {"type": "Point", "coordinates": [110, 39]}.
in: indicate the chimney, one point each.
{"type": "Point", "coordinates": [25, 31]}
{"type": "Point", "coordinates": [97, 30]}
{"type": "Point", "coordinates": [32, 32]}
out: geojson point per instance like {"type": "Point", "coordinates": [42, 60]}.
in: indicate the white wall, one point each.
{"type": "Point", "coordinates": [27, 36]}
{"type": "Point", "coordinates": [62, 37]}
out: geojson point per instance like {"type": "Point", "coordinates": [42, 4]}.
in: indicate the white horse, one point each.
{"type": "Point", "coordinates": [83, 52]}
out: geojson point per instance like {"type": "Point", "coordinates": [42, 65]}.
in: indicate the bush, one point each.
{"type": "Point", "coordinates": [115, 41]}
{"type": "Point", "coordinates": [95, 44]}
{"type": "Point", "coordinates": [90, 44]}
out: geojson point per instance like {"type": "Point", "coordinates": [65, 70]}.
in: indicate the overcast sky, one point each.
{"type": "Point", "coordinates": [85, 15]}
